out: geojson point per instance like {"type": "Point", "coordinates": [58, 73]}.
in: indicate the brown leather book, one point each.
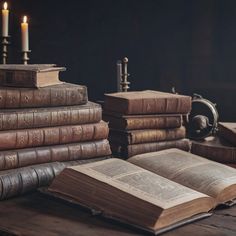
{"type": "Point", "coordinates": [133, 122]}
{"type": "Point", "coordinates": [30, 76]}
{"type": "Point", "coordinates": [15, 139]}
{"type": "Point", "coordinates": [125, 151]}
{"type": "Point", "coordinates": [216, 149]}
{"type": "Point", "coordinates": [57, 95]}
{"type": "Point", "coordinates": [147, 102]}
{"type": "Point", "coordinates": [227, 130]}
{"type": "Point", "coordinates": [26, 179]}
{"type": "Point", "coordinates": [66, 152]}
{"type": "Point", "coordinates": [145, 136]}
{"type": "Point", "coordinates": [26, 118]}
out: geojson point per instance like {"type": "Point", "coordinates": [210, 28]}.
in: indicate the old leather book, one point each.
{"type": "Point", "coordinates": [133, 122]}
{"type": "Point", "coordinates": [14, 139]}
{"type": "Point", "coordinates": [67, 152]}
{"type": "Point", "coordinates": [57, 95]}
{"type": "Point", "coordinates": [30, 76]}
{"type": "Point", "coordinates": [147, 102]}
{"type": "Point", "coordinates": [26, 118]}
{"type": "Point", "coordinates": [146, 135]}
{"type": "Point", "coordinates": [125, 151]}
{"type": "Point", "coordinates": [227, 130]}
{"type": "Point", "coordinates": [216, 149]}
{"type": "Point", "coordinates": [19, 181]}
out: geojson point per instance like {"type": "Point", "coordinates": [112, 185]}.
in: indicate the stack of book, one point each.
{"type": "Point", "coordinates": [220, 148]}
{"type": "Point", "coordinates": [145, 121]}
{"type": "Point", "coordinates": [44, 129]}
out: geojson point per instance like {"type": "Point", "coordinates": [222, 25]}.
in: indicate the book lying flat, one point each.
{"type": "Point", "coordinates": [227, 130]}
{"type": "Point", "coordinates": [153, 191]}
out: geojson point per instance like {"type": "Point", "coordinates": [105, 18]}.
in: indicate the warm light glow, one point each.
{"type": "Point", "coordinates": [5, 6]}
{"type": "Point", "coordinates": [25, 19]}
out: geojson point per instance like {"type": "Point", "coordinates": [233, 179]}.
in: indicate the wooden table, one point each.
{"type": "Point", "coordinates": [37, 214]}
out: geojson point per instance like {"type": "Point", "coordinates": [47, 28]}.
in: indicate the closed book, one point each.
{"type": "Point", "coordinates": [67, 152]}
{"type": "Point", "coordinates": [25, 118]}
{"type": "Point", "coordinates": [30, 76]}
{"type": "Point", "coordinates": [133, 122]}
{"type": "Point", "coordinates": [19, 181]}
{"type": "Point", "coordinates": [57, 95]}
{"type": "Point", "coordinates": [227, 130]}
{"type": "Point", "coordinates": [24, 138]}
{"type": "Point", "coordinates": [216, 149]}
{"type": "Point", "coordinates": [126, 151]}
{"type": "Point", "coordinates": [146, 135]}
{"type": "Point", "coordinates": [147, 102]}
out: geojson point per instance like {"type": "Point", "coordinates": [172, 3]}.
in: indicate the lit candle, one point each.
{"type": "Point", "coordinates": [5, 19]}
{"type": "Point", "coordinates": [24, 35]}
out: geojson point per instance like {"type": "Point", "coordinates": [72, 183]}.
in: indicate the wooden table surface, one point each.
{"type": "Point", "coordinates": [37, 214]}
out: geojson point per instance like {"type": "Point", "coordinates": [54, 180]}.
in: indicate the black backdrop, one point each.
{"type": "Point", "coordinates": [189, 44]}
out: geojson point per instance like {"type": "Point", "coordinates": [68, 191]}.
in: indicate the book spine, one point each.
{"type": "Point", "coordinates": [146, 136]}
{"type": "Point", "coordinates": [46, 97]}
{"type": "Point", "coordinates": [26, 179]}
{"type": "Point", "coordinates": [218, 154]}
{"type": "Point", "coordinates": [68, 152]}
{"type": "Point", "coordinates": [17, 139]}
{"type": "Point", "coordinates": [126, 151]}
{"type": "Point", "coordinates": [49, 118]}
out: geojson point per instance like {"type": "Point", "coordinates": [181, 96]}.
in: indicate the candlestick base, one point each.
{"type": "Point", "coordinates": [25, 57]}
{"type": "Point", "coordinates": [5, 43]}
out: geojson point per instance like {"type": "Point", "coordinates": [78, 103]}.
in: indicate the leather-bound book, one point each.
{"type": "Point", "coordinates": [24, 138]}
{"type": "Point", "coordinates": [19, 181]}
{"type": "Point", "coordinates": [216, 149]}
{"type": "Point", "coordinates": [227, 130]}
{"type": "Point", "coordinates": [26, 118]}
{"type": "Point", "coordinates": [147, 102]}
{"type": "Point", "coordinates": [57, 95]}
{"type": "Point", "coordinates": [126, 151]}
{"type": "Point", "coordinates": [146, 135]}
{"type": "Point", "coordinates": [67, 152]}
{"type": "Point", "coordinates": [133, 122]}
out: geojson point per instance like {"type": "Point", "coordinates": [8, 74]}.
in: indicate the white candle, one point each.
{"type": "Point", "coordinates": [24, 35]}
{"type": "Point", "coordinates": [5, 20]}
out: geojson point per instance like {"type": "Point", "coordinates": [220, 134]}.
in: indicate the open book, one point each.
{"type": "Point", "coordinates": [153, 191]}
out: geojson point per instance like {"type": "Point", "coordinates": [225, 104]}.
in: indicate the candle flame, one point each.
{"type": "Point", "coordinates": [5, 6]}
{"type": "Point", "coordinates": [25, 19]}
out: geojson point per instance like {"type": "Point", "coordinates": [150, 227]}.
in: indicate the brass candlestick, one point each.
{"type": "Point", "coordinates": [5, 43]}
{"type": "Point", "coordinates": [25, 57]}
{"type": "Point", "coordinates": [125, 83]}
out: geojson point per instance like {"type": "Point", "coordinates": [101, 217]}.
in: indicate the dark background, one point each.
{"type": "Point", "coordinates": [189, 44]}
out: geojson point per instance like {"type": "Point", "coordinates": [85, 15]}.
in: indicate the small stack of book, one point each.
{"type": "Point", "coordinates": [145, 121]}
{"type": "Point", "coordinates": [220, 148]}
{"type": "Point", "coordinates": [44, 128]}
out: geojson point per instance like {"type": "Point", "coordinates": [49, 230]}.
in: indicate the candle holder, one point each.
{"type": "Point", "coordinates": [125, 83]}
{"type": "Point", "coordinates": [5, 43]}
{"type": "Point", "coordinates": [25, 57]}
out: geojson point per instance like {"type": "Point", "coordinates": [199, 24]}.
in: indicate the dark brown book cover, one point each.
{"type": "Point", "coordinates": [145, 136]}
{"type": "Point", "coordinates": [216, 149]}
{"type": "Point", "coordinates": [30, 76]}
{"type": "Point", "coordinates": [57, 95]}
{"type": "Point", "coordinates": [126, 151]}
{"type": "Point", "coordinates": [227, 130]}
{"type": "Point", "coordinates": [24, 138]}
{"type": "Point", "coordinates": [135, 122]}
{"type": "Point", "coordinates": [19, 181]}
{"type": "Point", "coordinates": [66, 152]}
{"type": "Point", "coordinates": [25, 118]}
{"type": "Point", "coordinates": [147, 102]}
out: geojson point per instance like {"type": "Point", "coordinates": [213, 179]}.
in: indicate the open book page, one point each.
{"type": "Point", "coordinates": [188, 169]}
{"type": "Point", "coordinates": [139, 182]}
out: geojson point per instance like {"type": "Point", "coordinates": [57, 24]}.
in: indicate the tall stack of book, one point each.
{"type": "Point", "coordinates": [44, 129]}
{"type": "Point", "coordinates": [220, 148]}
{"type": "Point", "coordinates": [145, 121]}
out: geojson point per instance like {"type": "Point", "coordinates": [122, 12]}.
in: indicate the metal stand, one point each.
{"type": "Point", "coordinates": [122, 78]}
{"type": "Point", "coordinates": [5, 43]}
{"type": "Point", "coordinates": [25, 57]}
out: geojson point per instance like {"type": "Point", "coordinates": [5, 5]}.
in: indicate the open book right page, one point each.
{"type": "Point", "coordinates": [211, 178]}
